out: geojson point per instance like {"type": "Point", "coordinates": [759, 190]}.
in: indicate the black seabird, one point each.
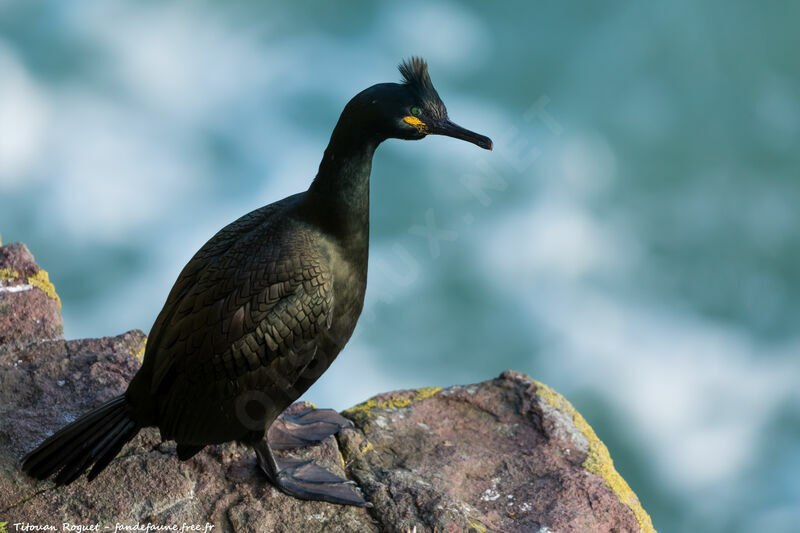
{"type": "Point", "coordinates": [260, 312]}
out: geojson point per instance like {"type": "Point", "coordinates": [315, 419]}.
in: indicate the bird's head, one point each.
{"type": "Point", "coordinates": [413, 109]}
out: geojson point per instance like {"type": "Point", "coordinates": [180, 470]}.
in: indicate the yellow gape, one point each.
{"type": "Point", "coordinates": [417, 123]}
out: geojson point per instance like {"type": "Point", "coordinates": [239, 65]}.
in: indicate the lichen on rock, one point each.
{"type": "Point", "coordinates": [494, 456]}
{"type": "Point", "coordinates": [41, 280]}
{"type": "Point", "coordinates": [29, 305]}
{"type": "Point", "coordinates": [392, 400]}
{"type": "Point", "coordinates": [598, 459]}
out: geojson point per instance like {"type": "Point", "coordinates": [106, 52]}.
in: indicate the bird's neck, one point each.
{"type": "Point", "coordinates": [340, 191]}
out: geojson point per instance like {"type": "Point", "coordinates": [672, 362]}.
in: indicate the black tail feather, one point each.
{"type": "Point", "coordinates": [42, 461]}
{"type": "Point", "coordinates": [81, 458]}
{"type": "Point", "coordinates": [128, 431]}
{"type": "Point", "coordinates": [76, 454]}
{"type": "Point", "coordinates": [95, 438]}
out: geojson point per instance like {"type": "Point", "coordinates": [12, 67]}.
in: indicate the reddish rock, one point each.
{"type": "Point", "coordinates": [505, 455]}
{"type": "Point", "coordinates": [29, 305]}
{"type": "Point", "coordinates": [494, 456]}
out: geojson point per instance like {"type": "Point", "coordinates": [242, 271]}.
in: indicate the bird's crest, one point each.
{"type": "Point", "coordinates": [415, 74]}
{"type": "Point", "coordinates": [416, 77]}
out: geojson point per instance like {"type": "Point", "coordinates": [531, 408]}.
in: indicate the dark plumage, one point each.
{"type": "Point", "coordinates": [261, 311]}
{"type": "Point", "coordinates": [418, 82]}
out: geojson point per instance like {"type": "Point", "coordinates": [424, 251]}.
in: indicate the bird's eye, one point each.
{"type": "Point", "coordinates": [415, 111]}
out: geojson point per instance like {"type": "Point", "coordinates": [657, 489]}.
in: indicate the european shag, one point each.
{"type": "Point", "coordinates": [260, 312]}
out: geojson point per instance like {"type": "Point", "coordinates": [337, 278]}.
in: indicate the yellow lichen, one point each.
{"type": "Point", "coordinates": [598, 460]}
{"type": "Point", "coordinates": [41, 280]}
{"type": "Point", "coordinates": [6, 274]}
{"type": "Point", "coordinates": [367, 448]}
{"type": "Point", "coordinates": [361, 411]}
{"type": "Point", "coordinates": [477, 526]}
{"type": "Point", "coordinates": [139, 354]}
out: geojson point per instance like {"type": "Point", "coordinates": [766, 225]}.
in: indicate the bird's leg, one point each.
{"type": "Point", "coordinates": [306, 428]}
{"type": "Point", "coordinates": [306, 480]}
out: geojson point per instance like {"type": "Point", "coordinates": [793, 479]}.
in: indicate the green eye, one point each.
{"type": "Point", "coordinates": [415, 111]}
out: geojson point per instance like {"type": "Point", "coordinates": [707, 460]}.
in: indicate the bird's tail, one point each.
{"type": "Point", "coordinates": [94, 439]}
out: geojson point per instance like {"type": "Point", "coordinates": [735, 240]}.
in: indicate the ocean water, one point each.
{"type": "Point", "coordinates": [632, 240]}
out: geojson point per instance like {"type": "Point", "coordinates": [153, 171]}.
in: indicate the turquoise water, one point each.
{"type": "Point", "coordinates": [632, 240]}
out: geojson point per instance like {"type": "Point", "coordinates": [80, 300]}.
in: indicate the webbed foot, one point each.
{"type": "Point", "coordinates": [306, 428]}
{"type": "Point", "coordinates": [306, 480]}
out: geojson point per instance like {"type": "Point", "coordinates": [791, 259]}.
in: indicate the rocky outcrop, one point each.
{"type": "Point", "coordinates": [508, 454]}
{"type": "Point", "coordinates": [30, 309]}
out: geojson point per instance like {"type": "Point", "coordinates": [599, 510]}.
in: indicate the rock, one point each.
{"type": "Point", "coordinates": [503, 455]}
{"type": "Point", "coordinates": [30, 309]}
{"type": "Point", "coordinates": [507, 455]}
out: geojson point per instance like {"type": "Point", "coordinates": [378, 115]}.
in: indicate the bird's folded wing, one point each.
{"type": "Point", "coordinates": [259, 295]}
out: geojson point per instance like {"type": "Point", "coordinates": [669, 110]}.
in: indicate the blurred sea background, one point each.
{"type": "Point", "coordinates": [633, 240]}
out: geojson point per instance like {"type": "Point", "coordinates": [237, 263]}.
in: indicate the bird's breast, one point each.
{"type": "Point", "coordinates": [349, 287]}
